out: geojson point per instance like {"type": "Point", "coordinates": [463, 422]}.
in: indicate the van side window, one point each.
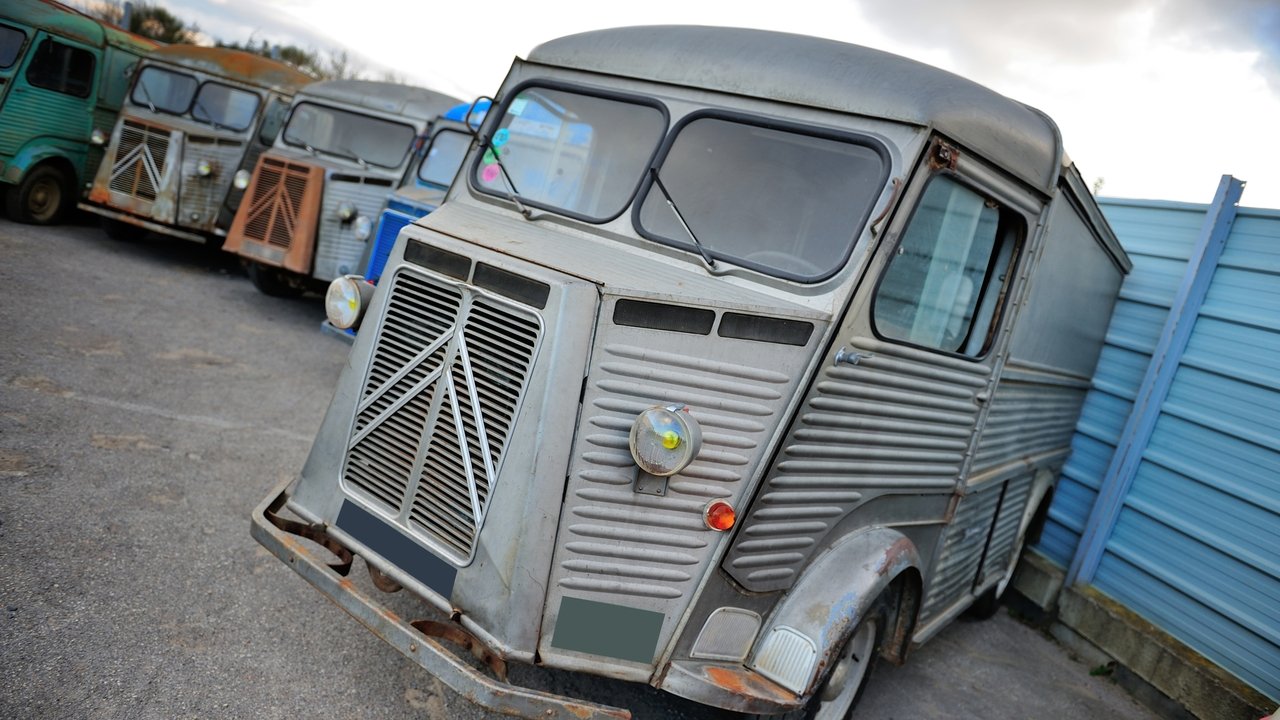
{"type": "Point", "coordinates": [11, 40]}
{"type": "Point", "coordinates": [62, 68]}
{"type": "Point", "coordinates": [946, 281]}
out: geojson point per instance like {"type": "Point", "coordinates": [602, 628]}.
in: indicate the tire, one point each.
{"type": "Point", "coordinates": [121, 231]}
{"type": "Point", "coordinates": [42, 198]}
{"type": "Point", "coordinates": [840, 691]}
{"type": "Point", "coordinates": [272, 281]}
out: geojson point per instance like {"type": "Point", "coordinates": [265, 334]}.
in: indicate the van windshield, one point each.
{"type": "Point", "coordinates": [578, 154]}
{"type": "Point", "coordinates": [440, 164]}
{"type": "Point", "coordinates": [164, 90]}
{"type": "Point", "coordinates": [354, 136]}
{"type": "Point", "coordinates": [785, 202]}
{"type": "Point", "coordinates": [224, 106]}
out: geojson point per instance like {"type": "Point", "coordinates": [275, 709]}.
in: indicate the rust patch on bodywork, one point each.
{"type": "Point", "coordinates": [741, 681]}
{"type": "Point", "coordinates": [943, 155]}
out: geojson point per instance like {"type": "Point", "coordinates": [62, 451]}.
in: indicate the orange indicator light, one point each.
{"type": "Point", "coordinates": [719, 515]}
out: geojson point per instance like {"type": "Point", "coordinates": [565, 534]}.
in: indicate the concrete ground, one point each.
{"type": "Point", "coordinates": [149, 397]}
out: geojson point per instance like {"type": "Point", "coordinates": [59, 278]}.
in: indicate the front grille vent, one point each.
{"type": "Point", "coordinates": [274, 209]}
{"type": "Point", "coordinates": [450, 366]}
{"type": "Point", "coordinates": [141, 159]}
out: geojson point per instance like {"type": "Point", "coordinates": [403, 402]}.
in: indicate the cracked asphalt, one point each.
{"type": "Point", "coordinates": [149, 398]}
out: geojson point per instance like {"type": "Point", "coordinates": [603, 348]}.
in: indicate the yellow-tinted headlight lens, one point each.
{"type": "Point", "coordinates": [664, 440]}
{"type": "Point", "coordinates": [346, 300]}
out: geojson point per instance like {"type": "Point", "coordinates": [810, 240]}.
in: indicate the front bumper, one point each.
{"type": "Point", "coordinates": [282, 538]}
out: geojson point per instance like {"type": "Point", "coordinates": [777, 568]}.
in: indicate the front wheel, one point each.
{"type": "Point", "coordinates": [42, 198]}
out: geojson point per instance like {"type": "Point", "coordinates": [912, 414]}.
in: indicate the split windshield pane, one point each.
{"type": "Point", "coordinates": [354, 136]}
{"type": "Point", "coordinates": [581, 155]}
{"type": "Point", "coordinates": [11, 40]}
{"type": "Point", "coordinates": [164, 90]}
{"type": "Point", "coordinates": [444, 157]}
{"type": "Point", "coordinates": [780, 201]}
{"type": "Point", "coordinates": [224, 106]}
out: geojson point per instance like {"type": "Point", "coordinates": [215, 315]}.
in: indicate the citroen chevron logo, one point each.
{"type": "Point", "coordinates": [453, 400]}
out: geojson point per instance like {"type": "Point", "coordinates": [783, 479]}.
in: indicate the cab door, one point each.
{"type": "Point", "coordinates": [50, 95]}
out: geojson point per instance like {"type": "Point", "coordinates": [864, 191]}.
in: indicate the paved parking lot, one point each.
{"type": "Point", "coordinates": [149, 398]}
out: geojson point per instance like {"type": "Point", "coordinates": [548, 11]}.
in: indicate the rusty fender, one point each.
{"type": "Point", "coordinates": [840, 586]}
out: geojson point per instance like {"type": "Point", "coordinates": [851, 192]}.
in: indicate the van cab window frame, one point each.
{"type": "Point", "coordinates": [685, 243]}
{"type": "Point", "coordinates": [148, 101]}
{"type": "Point", "coordinates": [10, 52]}
{"type": "Point", "coordinates": [233, 90]}
{"type": "Point", "coordinates": [1009, 239]}
{"type": "Point", "coordinates": [426, 156]}
{"type": "Point", "coordinates": [493, 123]}
{"type": "Point", "coordinates": [293, 112]}
{"type": "Point", "coordinates": [74, 78]}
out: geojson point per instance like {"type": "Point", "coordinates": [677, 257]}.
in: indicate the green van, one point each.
{"type": "Point", "coordinates": [63, 76]}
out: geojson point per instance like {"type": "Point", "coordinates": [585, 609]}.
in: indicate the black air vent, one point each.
{"type": "Point", "coordinates": [520, 289]}
{"type": "Point", "coordinates": [442, 261]}
{"type": "Point", "coordinates": [765, 329]}
{"type": "Point", "coordinates": [660, 316]}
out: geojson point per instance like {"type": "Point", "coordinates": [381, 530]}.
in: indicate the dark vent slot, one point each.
{"type": "Point", "coordinates": [765, 329]}
{"type": "Point", "coordinates": [202, 140]}
{"type": "Point", "coordinates": [339, 177]}
{"type": "Point", "coordinates": [657, 316]}
{"type": "Point", "coordinates": [520, 289]}
{"type": "Point", "coordinates": [442, 261]}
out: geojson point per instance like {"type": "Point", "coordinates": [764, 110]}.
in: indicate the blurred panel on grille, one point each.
{"type": "Point", "coordinates": [449, 368]}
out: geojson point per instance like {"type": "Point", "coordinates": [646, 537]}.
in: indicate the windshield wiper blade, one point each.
{"type": "Point", "coordinates": [514, 194]}
{"type": "Point", "coordinates": [143, 87]}
{"type": "Point", "coordinates": [207, 115]}
{"type": "Point", "coordinates": [679, 216]}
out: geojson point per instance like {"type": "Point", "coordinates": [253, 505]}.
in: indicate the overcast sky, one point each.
{"type": "Point", "coordinates": [1157, 98]}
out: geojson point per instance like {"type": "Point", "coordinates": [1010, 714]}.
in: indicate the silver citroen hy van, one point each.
{"type": "Point", "coordinates": [733, 361]}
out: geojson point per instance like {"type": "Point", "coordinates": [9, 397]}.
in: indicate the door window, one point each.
{"type": "Point", "coordinates": [62, 68]}
{"type": "Point", "coordinates": [949, 274]}
{"type": "Point", "coordinates": [11, 40]}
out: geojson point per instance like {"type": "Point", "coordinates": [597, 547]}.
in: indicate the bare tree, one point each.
{"type": "Point", "coordinates": [146, 19]}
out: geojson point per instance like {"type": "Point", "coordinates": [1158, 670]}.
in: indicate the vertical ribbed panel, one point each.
{"type": "Point", "coordinates": [1158, 238]}
{"type": "Point", "coordinates": [898, 422]}
{"type": "Point", "coordinates": [1005, 533]}
{"type": "Point", "coordinates": [384, 241]}
{"type": "Point", "coordinates": [203, 196]}
{"type": "Point", "coordinates": [1196, 548]}
{"type": "Point", "coordinates": [338, 250]}
{"type": "Point", "coordinates": [961, 553]}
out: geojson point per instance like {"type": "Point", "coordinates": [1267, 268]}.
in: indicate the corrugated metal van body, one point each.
{"type": "Point", "coordinates": [1194, 549]}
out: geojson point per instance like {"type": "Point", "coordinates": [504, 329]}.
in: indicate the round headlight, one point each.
{"type": "Point", "coordinates": [204, 168]}
{"type": "Point", "coordinates": [346, 301]}
{"type": "Point", "coordinates": [241, 180]}
{"type": "Point", "coordinates": [346, 211]}
{"type": "Point", "coordinates": [363, 227]}
{"type": "Point", "coordinates": [664, 440]}
{"type": "Point", "coordinates": [97, 137]}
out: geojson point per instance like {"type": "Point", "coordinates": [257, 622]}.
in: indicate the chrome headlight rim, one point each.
{"type": "Point", "coordinates": [363, 227]}
{"type": "Point", "coordinates": [241, 179]}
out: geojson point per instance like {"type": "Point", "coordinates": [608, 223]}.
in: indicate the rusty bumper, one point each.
{"type": "Point", "coordinates": [284, 539]}
{"type": "Point", "coordinates": [141, 222]}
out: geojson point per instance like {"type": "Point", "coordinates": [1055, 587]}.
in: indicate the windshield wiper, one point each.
{"type": "Point", "coordinates": [488, 143]}
{"type": "Point", "coordinates": [351, 155]}
{"type": "Point", "coordinates": [146, 95]}
{"type": "Point", "coordinates": [679, 216]}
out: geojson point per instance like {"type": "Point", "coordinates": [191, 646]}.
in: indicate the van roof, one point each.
{"type": "Point", "coordinates": [826, 74]}
{"type": "Point", "coordinates": [236, 65]}
{"type": "Point", "coordinates": [69, 22]}
{"type": "Point", "coordinates": [407, 100]}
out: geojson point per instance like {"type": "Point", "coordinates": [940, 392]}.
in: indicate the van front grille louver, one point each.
{"type": "Point", "coordinates": [277, 202]}
{"type": "Point", "coordinates": [140, 161]}
{"type": "Point", "coordinates": [449, 368]}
